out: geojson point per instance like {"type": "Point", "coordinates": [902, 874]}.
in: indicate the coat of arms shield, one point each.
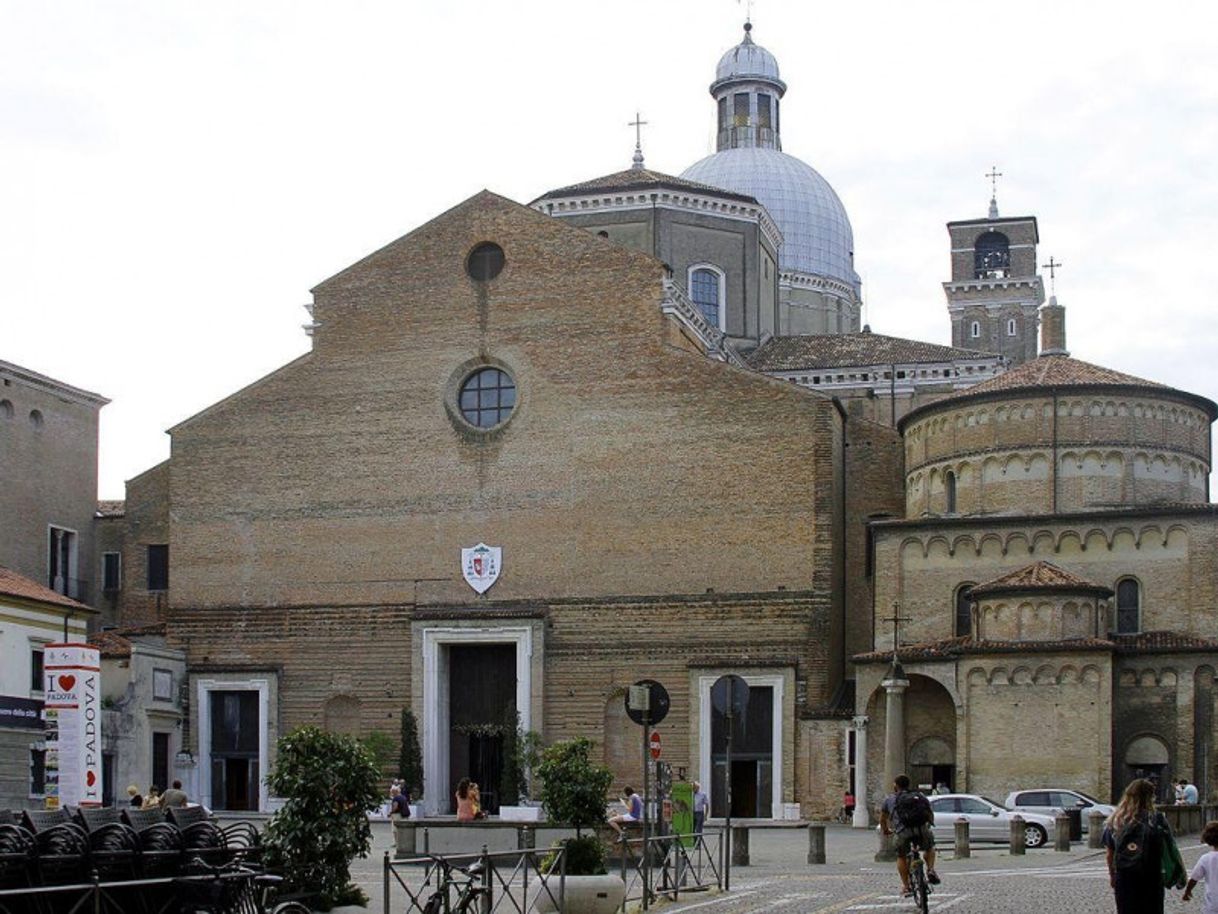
{"type": "Point", "coordinates": [480, 564]}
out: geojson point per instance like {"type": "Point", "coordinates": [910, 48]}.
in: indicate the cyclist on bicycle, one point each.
{"type": "Point", "coordinates": [907, 814]}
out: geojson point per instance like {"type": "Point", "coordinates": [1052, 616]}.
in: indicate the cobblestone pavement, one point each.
{"type": "Point", "coordinates": [1042, 883]}
{"type": "Point", "coordinates": [781, 882]}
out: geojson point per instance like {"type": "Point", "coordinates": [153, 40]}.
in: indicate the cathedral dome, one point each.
{"type": "Point", "coordinates": [816, 232]}
{"type": "Point", "coordinates": [747, 59]}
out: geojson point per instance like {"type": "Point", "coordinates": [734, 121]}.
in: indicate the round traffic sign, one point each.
{"type": "Point", "coordinates": [654, 744]}
{"type": "Point", "coordinates": [657, 703]}
{"type": "Point", "coordinates": [731, 690]}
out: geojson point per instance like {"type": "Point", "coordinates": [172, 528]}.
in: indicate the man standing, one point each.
{"type": "Point", "coordinates": [701, 806]}
{"type": "Point", "coordinates": [174, 797]}
{"type": "Point", "coordinates": [907, 815]}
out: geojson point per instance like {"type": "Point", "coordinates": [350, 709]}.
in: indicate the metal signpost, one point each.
{"type": "Point", "coordinates": [647, 704]}
{"type": "Point", "coordinates": [730, 697]}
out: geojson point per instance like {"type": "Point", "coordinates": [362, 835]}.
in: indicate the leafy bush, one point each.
{"type": "Point", "coordinates": [410, 756]}
{"type": "Point", "coordinates": [329, 783]}
{"type": "Point", "coordinates": [573, 790]}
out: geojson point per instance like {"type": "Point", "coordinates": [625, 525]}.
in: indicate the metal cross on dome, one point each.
{"type": "Point", "coordinates": [638, 124]}
{"type": "Point", "coordinates": [993, 174]}
{"type": "Point", "coordinates": [1052, 266]}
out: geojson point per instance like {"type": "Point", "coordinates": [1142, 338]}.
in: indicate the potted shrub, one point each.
{"type": "Point", "coordinates": [329, 783]}
{"type": "Point", "coordinates": [573, 790]}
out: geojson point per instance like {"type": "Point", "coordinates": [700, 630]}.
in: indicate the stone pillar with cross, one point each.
{"type": "Point", "coordinates": [1053, 317]}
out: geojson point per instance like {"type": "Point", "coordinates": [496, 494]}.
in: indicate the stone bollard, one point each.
{"type": "Point", "coordinates": [1019, 840]}
{"type": "Point", "coordinates": [526, 838]}
{"type": "Point", "coordinates": [816, 843]}
{"type": "Point", "coordinates": [886, 852]}
{"type": "Point", "coordinates": [1062, 823]}
{"type": "Point", "coordinates": [962, 848]}
{"type": "Point", "coordinates": [1095, 829]}
{"type": "Point", "coordinates": [404, 831]}
{"type": "Point", "coordinates": [740, 845]}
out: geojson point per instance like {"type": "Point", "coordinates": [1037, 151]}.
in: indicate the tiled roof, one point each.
{"type": "Point", "coordinates": [641, 179]}
{"type": "Point", "coordinates": [792, 353]}
{"type": "Point", "coordinates": [111, 645]}
{"type": "Point", "coordinates": [111, 508]}
{"type": "Point", "coordinates": [951, 648]}
{"type": "Point", "coordinates": [16, 585]}
{"type": "Point", "coordinates": [1057, 371]}
{"type": "Point", "coordinates": [1163, 642]}
{"type": "Point", "coordinates": [1042, 576]}
{"type": "Point", "coordinates": [116, 643]}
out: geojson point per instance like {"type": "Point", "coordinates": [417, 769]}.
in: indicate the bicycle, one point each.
{"type": "Point", "coordinates": [233, 888]}
{"type": "Point", "coordinates": [918, 885]}
{"type": "Point", "coordinates": [470, 891]}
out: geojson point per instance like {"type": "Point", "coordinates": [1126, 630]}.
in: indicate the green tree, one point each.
{"type": "Point", "coordinates": [329, 783]}
{"type": "Point", "coordinates": [410, 756]}
{"type": "Point", "coordinates": [380, 746]}
{"type": "Point", "coordinates": [573, 790]}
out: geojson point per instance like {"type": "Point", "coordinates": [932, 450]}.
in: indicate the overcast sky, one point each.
{"type": "Point", "coordinates": [175, 176]}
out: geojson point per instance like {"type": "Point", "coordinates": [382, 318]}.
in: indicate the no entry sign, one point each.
{"type": "Point", "coordinates": [654, 744]}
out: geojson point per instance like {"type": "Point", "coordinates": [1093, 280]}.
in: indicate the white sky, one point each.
{"type": "Point", "coordinates": [175, 176]}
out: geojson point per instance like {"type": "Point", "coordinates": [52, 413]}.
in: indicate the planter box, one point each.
{"type": "Point", "coordinates": [583, 895]}
{"type": "Point", "coordinates": [520, 813]}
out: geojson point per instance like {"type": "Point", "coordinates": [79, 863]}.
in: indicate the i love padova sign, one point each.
{"type": "Point", "coordinates": [72, 710]}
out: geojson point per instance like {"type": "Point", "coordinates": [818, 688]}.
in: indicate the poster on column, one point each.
{"type": "Point", "coordinates": [73, 725]}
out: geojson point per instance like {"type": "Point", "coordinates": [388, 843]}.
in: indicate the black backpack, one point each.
{"type": "Point", "coordinates": [913, 810]}
{"type": "Point", "coordinates": [1137, 847]}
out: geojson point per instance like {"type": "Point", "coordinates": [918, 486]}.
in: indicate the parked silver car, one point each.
{"type": "Point", "coordinates": [987, 821]}
{"type": "Point", "coordinates": [1048, 800]}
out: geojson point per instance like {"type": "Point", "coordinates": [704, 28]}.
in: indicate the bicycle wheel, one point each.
{"type": "Point", "coordinates": [921, 891]}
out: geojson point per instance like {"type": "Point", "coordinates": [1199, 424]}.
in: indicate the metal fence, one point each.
{"type": "Point", "coordinates": [524, 882]}
{"type": "Point", "coordinates": [669, 865]}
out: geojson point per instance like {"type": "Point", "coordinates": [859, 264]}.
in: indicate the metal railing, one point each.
{"type": "Point", "coordinates": [669, 865]}
{"type": "Point", "coordinates": [523, 881]}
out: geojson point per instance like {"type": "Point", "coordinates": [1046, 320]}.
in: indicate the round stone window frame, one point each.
{"type": "Point", "coordinates": [452, 396]}
{"type": "Point", "coordinates": [476, 249]}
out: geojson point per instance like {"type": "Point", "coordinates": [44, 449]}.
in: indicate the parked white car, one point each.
{"type": "Point", "coordinates": [1048, 800]}
{"type": "Point", "coordinates": [987, 820]}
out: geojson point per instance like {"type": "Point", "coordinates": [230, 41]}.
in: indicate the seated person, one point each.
{"type": "Point", "coordinates": [634, 812]}
{"type": "Point", "coordinates": [465, 801]}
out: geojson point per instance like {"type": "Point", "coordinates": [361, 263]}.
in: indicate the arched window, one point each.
{"type": "Point", "coordinates": [949, 492]}
{"type": "Point", "coordinates": [706, 291]}
{"type": "Point", "coordinates": [1010, 326]}
{"type": "Point", "coordinates": [974, 329]}
{"type": "Point", "coordinates": [992, 256]}
{"type": "Point", "coordinates": [1128, 607]}
{"type": "Point", "coordinates": [964, 610]}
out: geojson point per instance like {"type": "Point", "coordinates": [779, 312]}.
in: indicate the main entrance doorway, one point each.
{"type": "Point", "coordinates": [482, 720]}
{"type": "Point", "coordinates": [752, 771]}
{"type": "Point", "coordinates": [235, 737]}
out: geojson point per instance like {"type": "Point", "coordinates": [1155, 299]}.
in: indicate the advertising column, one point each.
{"type": "Point", "coordinates": [73, 725]}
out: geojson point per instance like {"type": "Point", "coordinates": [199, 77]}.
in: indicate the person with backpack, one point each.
{"type": "Point", "coordinates": [1142, 855]}
{"type": "Point", "coordinates": [907, 815]}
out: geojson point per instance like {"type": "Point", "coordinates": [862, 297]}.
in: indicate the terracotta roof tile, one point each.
{"type": "Point", "coordinates": [1061, 371]}
{"type": "Point", "coordinates": [111, 645]}
{"type": "Point", "coordinates": [16, 585]}
{"type": "Point", "coordinates": [1042, 576]}
{"type": "Point", "coordinates": [1163, 642]}
{"type": "Point", "coordinates": [792, 353]}
{"type": "Point", "coordinates": [641, 179]}
{"type": "Point", "coordinates": [951, 648]}
{"type": "Point", "coordinates": [111, 508]}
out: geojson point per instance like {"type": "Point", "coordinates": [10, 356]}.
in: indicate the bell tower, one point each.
{"type": "Point", "coordinates": [995, 292]}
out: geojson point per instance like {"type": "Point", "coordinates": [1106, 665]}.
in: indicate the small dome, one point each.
{"type": "Point", "coordinates": [747, 60]}
{"type": "Point", "coordinates": [816, 232]}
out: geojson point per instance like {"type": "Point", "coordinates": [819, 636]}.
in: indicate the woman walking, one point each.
{"type": "Point", "coordinates": [1142, 854]}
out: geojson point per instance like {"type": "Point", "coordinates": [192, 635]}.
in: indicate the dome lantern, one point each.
{"type": "Point", "coordinates": [746, 91]}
